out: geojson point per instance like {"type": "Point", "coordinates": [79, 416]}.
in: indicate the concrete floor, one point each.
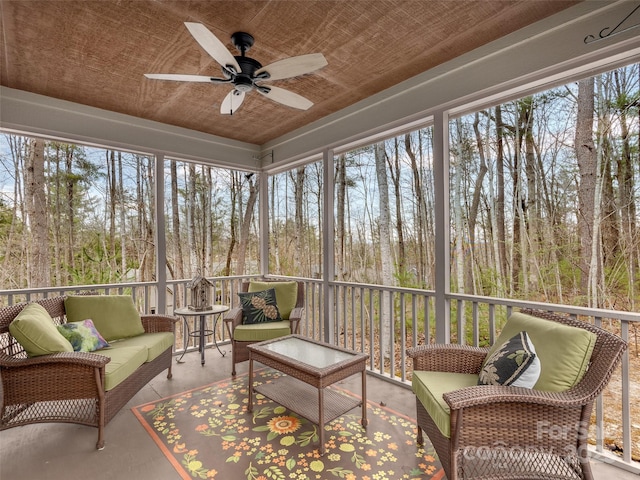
{"type": "Point", "coordinates": [67, 451]}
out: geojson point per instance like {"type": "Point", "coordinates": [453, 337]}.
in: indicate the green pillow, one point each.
{"type": "Point", "coordinates": [114, 316]}
{"type": "Point", "coordinates": [83, 336]}
{"type": "Point", "coordinates": [286, 294]}
{"type": "Point", "coordinates": [259, 307]}
{"type": "Point", "coordinates": [34, 329]}
{"type": "Point", "coordinates": [564, 351]}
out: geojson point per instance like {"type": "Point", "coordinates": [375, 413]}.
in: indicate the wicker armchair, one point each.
{"type": "Point", "coordinates": [233, 319]}
{"type": "Point", "coordinates": [507, 432]}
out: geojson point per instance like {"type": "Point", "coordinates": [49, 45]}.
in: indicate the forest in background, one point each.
{"type": "Point", "coordinates": [543, 204]}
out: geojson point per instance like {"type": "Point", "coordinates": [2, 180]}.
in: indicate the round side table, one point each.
{"type": "Point", "coordinates": [216, 311]}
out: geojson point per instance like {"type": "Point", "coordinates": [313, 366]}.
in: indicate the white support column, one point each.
{"type": "Point", "coordinates": [161, 239]}
{"type": "Point", "coordinates": [442, 221]}
{"type": "Point", "coordinates": [263, 208]}
{"type": "Point", "coordinates": [328, 248]}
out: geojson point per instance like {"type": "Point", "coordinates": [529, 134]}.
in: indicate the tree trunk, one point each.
{"type": "Point", "coordinates": [477, 188]}
{"type": "Point", "coordinates": [341, 190]}
{"type": "Point", "coordinates": [458, 216]}
{"type": "Point", "coordinates": [499, 205]}
{"type": "Point", "coordinates": [175, 215]}
{"type": "Point", "coordinates": [586, 157]}
{"type": "Point", "coordinates": [420, 210]}
{"type": "Point", "coordinates": [386, 258]}
{"type": "Point", "coordinates": [40, 265]}
{"type": "Point", "coordinates": [247, 218]}
{"type": "Point", "coordinates": [394, 169]}
{"type": "Point", "coordinates": [236, 209]}
{"type": "Point", "coordinates": [299, 225]}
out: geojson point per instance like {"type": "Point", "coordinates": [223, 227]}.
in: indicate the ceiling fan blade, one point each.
{"type": "Point", "coordinates": [232, 102]}
{"type": "Point", "coordinates": [178, 77]}
{"type": "Point", "coordinates": [212, 45]}
{"type": "Point", "coordinates": [294, 66]}
{"type": "Point", "coordinates": [286, 97]}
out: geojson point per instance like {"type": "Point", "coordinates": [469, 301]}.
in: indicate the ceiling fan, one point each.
{"type": "Point", "coordinates": [245, 73]}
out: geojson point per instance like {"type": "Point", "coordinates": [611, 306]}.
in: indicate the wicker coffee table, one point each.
{"type": "Point", "coordinates": [309, 367]}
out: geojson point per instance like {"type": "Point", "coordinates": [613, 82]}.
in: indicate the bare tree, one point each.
{"type": "Point", "coordinates": [386, 259]}
{"type": "Point", "coordinates": [37, 211]}
{"type": "Point", "coordinates": [247, 218]}
{"type": "Point", "coordinates": [587, 166]}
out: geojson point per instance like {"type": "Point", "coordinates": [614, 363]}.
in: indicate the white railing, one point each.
{"type": "Point", "coordinates": [356, 312]}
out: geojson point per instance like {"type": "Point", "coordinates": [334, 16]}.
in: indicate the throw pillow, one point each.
{"type": "Point", "coordinates": [259, 307]}
{"type": "Point", "coordinates": [83, 336]}
{"type": "Point", "coordinates": [514, 363]}
{"type": "Point", "coordinates": [286, 294]}
{"type": "Point", "coordinates": [564, 351]}
{"type": "Point", "coordinates": [114, 316]}
{"type": "Point", "coordinates": [34, 329]}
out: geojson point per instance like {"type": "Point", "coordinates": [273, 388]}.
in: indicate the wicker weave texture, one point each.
{"type": "Point", "coordinates": [233, 318]}
{"type": "Point", "coordinates": [67, 387]}
{"type": "Point", "coordinates": [303, 388]}
{"type": "Point", "coordinates": [516, 433]}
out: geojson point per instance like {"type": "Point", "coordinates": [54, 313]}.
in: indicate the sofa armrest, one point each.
{"type": "Point", "coordinates": [59, 376]}
{"type": "Point", "coordinates": [295, 318]}
{"type": "Point", "coordinates": [491, 395]}
{"type": "Point", "coordinates": [93, 360]}
{"type": "Point", "coordinates": [448, 358]}
{"type": "Point", "coordinates": [158, 323]}
{"type": "Point", "coordinates": [232, 319]}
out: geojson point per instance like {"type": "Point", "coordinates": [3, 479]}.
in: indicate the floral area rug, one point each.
{"type": "Point", "coordinates": [208, 433]}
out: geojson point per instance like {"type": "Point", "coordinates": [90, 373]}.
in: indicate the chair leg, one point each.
{"type": "Point", "coordinates": [234, 352]}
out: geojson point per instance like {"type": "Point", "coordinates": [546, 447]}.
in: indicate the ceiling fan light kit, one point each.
{"type": "Point", "coordinates": [245, 73]}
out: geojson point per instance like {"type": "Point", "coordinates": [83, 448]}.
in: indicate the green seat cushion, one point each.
{"type": "Point", "coordinates": [258, 332]}
{"type": "Point", "coordinates": [124, 361]}
{"type": "Point", "coordinates": [286, 294]}
{"type": "Point", "coordinates": [155, 343]}
{"type": "Point", "coordinates": [34, 329]}
{"type": "Point", "coordinates": [564, 351]}
{"type": "Point", "coordinates": [429, 388]}
{"type": "Point", "coordinates": [114, 316]}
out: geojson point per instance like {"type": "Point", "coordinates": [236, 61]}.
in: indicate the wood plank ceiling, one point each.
{"type": "Point", "coordinates": [96, 52]}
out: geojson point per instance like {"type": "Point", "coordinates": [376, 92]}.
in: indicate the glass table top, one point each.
{"type": "Point", "coordinates": [318, 356]}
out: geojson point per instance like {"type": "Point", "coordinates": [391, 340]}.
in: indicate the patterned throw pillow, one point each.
{"type": "Point", "coordinates": [83, 336]}
{"type": "Point", "coordinates": [259, 307]}
{"type": "Point", "coordinates": [515, 363]}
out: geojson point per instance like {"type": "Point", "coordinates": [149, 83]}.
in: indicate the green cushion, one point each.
{"type": "Point", "coordinates": [83, 336]}
{"type": "Point", "coordinates": [155, 343]}
{"type": "Point", "coordinates": [34, 329]}
{"type": "Point", "coordinates": [259, 332]}
{"type": "Point", "coordinates": [124, 361]}
{"type": "Point", "coordinates": [429, 388]}
{"type": "Point", "coordinates": [259, 307]}
{"type": "Point", "coordinates": [564, 351]}
{"type": "Point", "coordinates": [286, 294]}
{"type": "Point", "coordinates": [115, 316]}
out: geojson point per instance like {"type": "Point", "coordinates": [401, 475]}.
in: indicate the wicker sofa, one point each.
{"type": "Point", "coordinates": [78, 387]}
